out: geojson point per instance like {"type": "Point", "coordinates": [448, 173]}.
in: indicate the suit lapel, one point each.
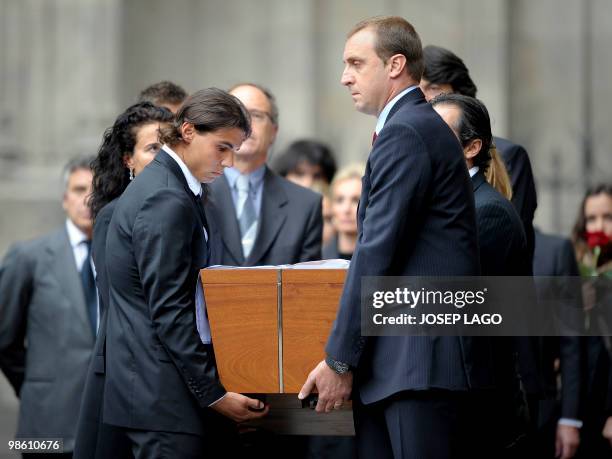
{"type": "Point", "coordinates": [271, 218]}
{"type": "Point", "coordinates": [477, 180]}
{"type": "Point", "coordinates": [63, 267]}
{"type": "Point", "coordinates": [414, 97]}
{"type": "Point", "coordinates": [222, 210]}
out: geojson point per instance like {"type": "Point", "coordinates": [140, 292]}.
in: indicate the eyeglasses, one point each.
{"type": "Point", "coordinates": [259, 116]}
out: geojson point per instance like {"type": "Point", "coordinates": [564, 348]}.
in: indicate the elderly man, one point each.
{"type": "Point", "coordinates": [49, 310]}
{"type": "Point", "coordinates": [261, 218]}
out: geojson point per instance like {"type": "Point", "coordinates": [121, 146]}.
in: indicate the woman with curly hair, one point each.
{"type": "Point", "coordinates": [592, 238]}
{"type": "Point", "coordinates": [127, 147]}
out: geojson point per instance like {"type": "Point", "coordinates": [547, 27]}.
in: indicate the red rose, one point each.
{"type": "Point", "coordinates": [597, 238]}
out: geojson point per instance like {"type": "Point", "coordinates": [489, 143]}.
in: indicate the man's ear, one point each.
{"type": "Point", "coordinates": [397, 64]}
{"type": "Point", "coordinates": [472, 149]}
{"type": "Point", "coordinates": [187, 132]}
{"type": "Point", "coordinates": [274, 134]}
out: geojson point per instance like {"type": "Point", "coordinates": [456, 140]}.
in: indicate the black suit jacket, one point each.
{"type": "Point", "coordinates": [416, 217]}
{"type": "Point", "coordinates": [95, 439]}
{"type": "Point", "coordinates": [524, 195]}
{"type": "Point", "coordinates": [554, 256]}
{"type": "Point", "coordinates": [290, 224]}
{"type": "Point", "coordinates": [159, 375]}
{"type": "Point", "coordinates": [503, 246]}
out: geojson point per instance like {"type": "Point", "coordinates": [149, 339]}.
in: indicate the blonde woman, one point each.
{"type": "Point", "coordinates": [345, 193]}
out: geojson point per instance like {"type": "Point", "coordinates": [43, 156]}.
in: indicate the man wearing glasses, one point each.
{"type": "Point", "coordinates": [261, 218]}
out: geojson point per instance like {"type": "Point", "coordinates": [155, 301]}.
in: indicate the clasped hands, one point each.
{"type": "Point", "coordinates": [333, 389]}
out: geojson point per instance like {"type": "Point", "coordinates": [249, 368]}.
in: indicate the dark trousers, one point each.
{"type": "Point", "coordinates": [165, 445]}
{"type": "Point", "coordinates": [433, 424]}
{"type": "Point", "coordinates": [219, 441]}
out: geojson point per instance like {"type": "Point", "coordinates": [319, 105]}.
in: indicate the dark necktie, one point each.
{"type": "Point", "coordinates": [374, 136]}
{"type": "Point", "coordinates": [89, 289]}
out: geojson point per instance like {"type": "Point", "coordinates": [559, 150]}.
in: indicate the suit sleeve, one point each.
{"type": "Point", "coordinates": [311, 248]}
{"type": "Point", "coordinates": [16, 284]}
{"type": "Point", "coordinates": [162, 239]}
{"type": "Point", "coordinates": [524, 195]}
{"type": "Point", "coordinates": [400, 173]}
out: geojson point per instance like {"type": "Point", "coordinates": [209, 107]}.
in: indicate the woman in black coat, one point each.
{"type": "Point", "coordinates": [127, 147]}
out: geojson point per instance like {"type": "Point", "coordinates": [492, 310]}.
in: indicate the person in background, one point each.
{"type": "Point", "coordinates": [49, 311]}
{"type": "Point", "coordinates": [592, 238]}
{"type": "Point", "coordinates": [446, 73]}
{"type": "Point", "coordinates": [559, 424]}
{"type": "Point", "coordinates": [345, 193]}
{"type": "Point", "coordinates": [306, 162]}
{"type": "Point", "coordinates": [260, 217]}
{"type": "Point", "coordinates": [311, 164]}
{"type": "Point", "coordinates": [164, 94]}
{"type": "Point", "coordinates": [128, 146]}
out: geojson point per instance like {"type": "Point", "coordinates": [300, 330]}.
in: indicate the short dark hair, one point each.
{"type": "Point", "coordinates": [310, 151]}
{"type": "Point", "coordinates": [164, 92]}
{"type": "Point", "coordinates": [208, 110]}
{"type": "Point", "coordinates": [474, 123]}
{"type": "Point", "coordinates": [75, 164]}
{"type": "Point", "coordinates": [395, 35]}
{"type": "Point", "coordinates": [269, 96]}
{"type": "Point", "coordinates": [444, 67]}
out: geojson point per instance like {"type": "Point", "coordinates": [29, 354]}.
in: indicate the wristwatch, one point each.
{"type": "Point", "coordinates": [338, 367]}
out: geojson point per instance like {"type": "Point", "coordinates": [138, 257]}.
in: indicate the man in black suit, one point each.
{"type": "Point", "coordinates": [49, 317]}
{"type": "Point", "coordinates": [261, 218]}
{"type": "Point", "coordinates": [445, 72]}
{"type": "Point", "coordinates": [413, 396]}
{"type": "Point", "coordinates": [554, 256]}
{"type": "Point", "coordinates": [161, 384]}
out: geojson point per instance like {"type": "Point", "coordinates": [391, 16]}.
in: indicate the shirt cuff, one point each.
{"type": "Point", "coordinates": [219, 399]}
{"type": "Point", "coordinates": [570, 422]}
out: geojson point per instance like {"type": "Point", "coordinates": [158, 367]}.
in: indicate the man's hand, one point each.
{"type": "Point", "coordinates": [607, 430]}
{"type": "Point", "coordinates": [567, 441]}
{"type": "Point", "coordinates": [334, 389]}
{"type": "Point", "coordinates": [236, 407]}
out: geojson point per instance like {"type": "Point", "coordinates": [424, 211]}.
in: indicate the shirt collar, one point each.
{"type": "Point", "coordinates": [255, 178]}
{"type": "Point", "coordinates": [194, 184]}
{"type": "Point", "coordinates": [473, 171]}
{"type": "Point", "coordinates": [75, 235]}
{"type": "Point", "coordinates": [382, 118]}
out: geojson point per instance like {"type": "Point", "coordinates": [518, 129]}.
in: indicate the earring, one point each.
{"type": "Point", "coordinates": [131, 174]}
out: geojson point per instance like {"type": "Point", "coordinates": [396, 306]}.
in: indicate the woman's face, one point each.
{"type": "Point", "coordinates": [147, 146]}
{"type": "Point", "coordinates": [598, 214]}
{"type": "Point", "coordinates": [207, 154]}
{"type": "Point", "coordinates": [345, 198]}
